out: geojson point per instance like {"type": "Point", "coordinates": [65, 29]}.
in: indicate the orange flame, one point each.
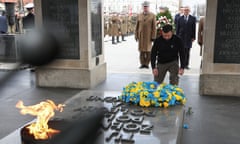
{"type": "Point", "coordinates": [44, 111]}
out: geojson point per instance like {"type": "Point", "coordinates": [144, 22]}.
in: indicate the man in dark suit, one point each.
{"type": "Point", "coordinates": [186, 30]}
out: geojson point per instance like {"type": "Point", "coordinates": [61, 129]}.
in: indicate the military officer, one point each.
{"type": "Point", "coordinates": [145, 34]}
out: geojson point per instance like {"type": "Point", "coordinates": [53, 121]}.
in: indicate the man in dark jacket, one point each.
{"type": "Point", "coordinates": [165, 55]}
{"type": "Point", "coordinates": [28, 20]}
{"type": "Point", "coordinates": [186, 30]}
{"type": "Point", "coordinates": [3, 23]}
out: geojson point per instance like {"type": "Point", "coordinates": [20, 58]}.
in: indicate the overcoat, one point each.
{"type": "Point", "coordinates": [145, 31]}
{"type": "Point", "coordinates": [114, 28]}
{"type": "Point", "coordinates": [124, 25]}
{"type": "Point", "coordinates": [200, 33]}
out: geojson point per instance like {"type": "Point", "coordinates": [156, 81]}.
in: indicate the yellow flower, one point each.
{"type": "Point", "coordinates": [156, 94]}
{"type": "Point", "coordinates": [184, 101]}
{"type": "Point", "coordinates": [153, 102]}
{"type": "Point", "coordinates": [133, 90]}
{"type": "Point", "coordinates": [165, 104]}
{"type": "Point", "coordinates": [144, 103]}
{"type": "Point", "coordinates": [178, 98]}
{"type": "Point", "coordinates": [179, 89]}
{"type": "Point", "coordinates": [152, 86]}
{"type": "Point", "coordinates": [160, 104]}
{"type": "Point", "coordinates": [146, 93]}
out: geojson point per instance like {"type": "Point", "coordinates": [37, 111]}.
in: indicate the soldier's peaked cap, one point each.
{"type": "Point", "coordinates": [146, 3]}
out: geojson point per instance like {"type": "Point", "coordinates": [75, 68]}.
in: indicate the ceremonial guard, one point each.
{"type": "Point", "coordinates": [114, 28]}
{"type": "Point", "coordinates": [123, 26]}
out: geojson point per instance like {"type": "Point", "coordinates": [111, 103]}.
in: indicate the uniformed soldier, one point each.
{"type": "Point", "coordinates": [133, 22]}
{"type": "Point", "coordinates": [114, 28]}
{"type": "Point", "coordinates": [129, 25]}
{"type": "Point", "coordinates": [106, 24]}
{"type": "Point", "coordinates": [123, 26]}
{"type": "Point", "coordinates": [145, 33]}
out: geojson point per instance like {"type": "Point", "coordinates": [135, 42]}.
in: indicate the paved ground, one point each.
{"type": "Point", "coordinates": [215, 120]}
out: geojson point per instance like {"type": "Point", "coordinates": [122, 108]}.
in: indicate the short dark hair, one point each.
{"type": "Point", "coordinates": [167, 28]}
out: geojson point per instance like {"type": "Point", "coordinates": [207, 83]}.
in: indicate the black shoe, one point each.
{"type": "Point", "coordinates": [114, 43]}
{"type": "Point", "coordinates": [142, 66]}
{"type": "Point", "coordinates": [124, 40]}
{"type": "Point", "coordinates": [146, 66]}
{"type": "Point", "coordinates": [187, 67]}
{"type": "Point", "coordinates": [32, 69]}
{"type": "Point", "coordinates": [118, 42]}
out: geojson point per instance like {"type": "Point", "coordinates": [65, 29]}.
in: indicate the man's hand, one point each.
{"type": "Point", "coordinates": [155, 71]}
{"type": "Point", "coordinates": [181, 71]}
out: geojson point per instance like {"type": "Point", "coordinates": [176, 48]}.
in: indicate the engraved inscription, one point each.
{"type": "Point", "coordinates": [227, 35]}
{"type": "Point", "coordinates": [96, 27]}
{"type": "Point", "coordinates": [61, 18]}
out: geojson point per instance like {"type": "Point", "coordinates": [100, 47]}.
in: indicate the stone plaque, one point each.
{"type": "Point", "coordinates": [61, 18]}
{"type": "Point", "coordinates": [96, 26]}
{"type": "Point", "coordinates": [227, 35]}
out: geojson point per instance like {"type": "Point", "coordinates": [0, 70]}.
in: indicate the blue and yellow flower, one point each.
{"type": "Point", "coordinates": [148, 94]}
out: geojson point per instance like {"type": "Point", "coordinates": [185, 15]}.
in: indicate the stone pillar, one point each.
{"type": "Point", "coordinates": [77, 25]}
{"type": "Point", "coordinates": [220, 73]}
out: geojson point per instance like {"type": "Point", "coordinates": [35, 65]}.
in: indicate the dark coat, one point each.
{"type": "Point", "coordinates": [177, 16]}
{"type": "Point", "coordinates": [28, 21]}
{"type": "Point", "coordinates": [3, 24]}
{"type": "Point", "coordinates": [186, 30]}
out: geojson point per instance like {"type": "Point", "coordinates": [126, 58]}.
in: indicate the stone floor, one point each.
{"type": "Point", "coordinates": [214, 119]}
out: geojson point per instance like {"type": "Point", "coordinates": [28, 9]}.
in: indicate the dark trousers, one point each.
{"type": "Point", "coordinates": [113, 39]}
{"type": "Point", "coordinates": [123, 37]}
{"type": "Point", "coordinates": [187, 51]}
{"type": "Point", "coordinates": [172, 68]}
{"type": "Point", "coordinates": [145, 58]}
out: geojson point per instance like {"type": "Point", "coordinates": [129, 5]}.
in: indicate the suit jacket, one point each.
{"type": "Point", "coordinates": [186, 30]}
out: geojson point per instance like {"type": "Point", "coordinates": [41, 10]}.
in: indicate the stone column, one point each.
{"type": "Point", "coordinates": [220, 73]}
{"type": "Point", "coordinates": [80, 63]}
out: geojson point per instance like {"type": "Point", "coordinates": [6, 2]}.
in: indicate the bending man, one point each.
{"type": "Point", "coordinates": [165, 54]}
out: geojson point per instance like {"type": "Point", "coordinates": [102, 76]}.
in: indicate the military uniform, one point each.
{"type": "Point", "coordinates": [105, 25]}
{"type": "Point", "coordinates": [145, 33]}
{"type": "Point", "coordinates": [114, 28]}
{"type": "Point", "coordinates": [133, 22]}
{"type": "Point", "coordinates": [123, 26]}
{"type": "Point", "coordinates": [200, 33]}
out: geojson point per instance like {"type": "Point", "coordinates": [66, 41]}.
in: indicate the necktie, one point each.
{"type": "Point", "coordinates": [185, 18]}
